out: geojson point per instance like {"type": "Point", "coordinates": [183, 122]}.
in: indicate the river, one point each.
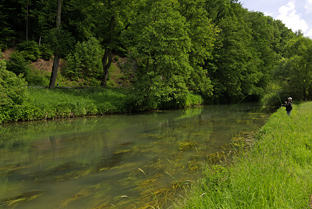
{"type": "Point", "coordinates": [116, 161]}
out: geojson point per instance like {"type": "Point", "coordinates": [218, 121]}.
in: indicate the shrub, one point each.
{"type": "Point", "coordinates": [45, 52]}
{"type": "Point", "coordinates": [38, 78]}
{"type": "Point", "coordinates": [29, 49]}
{"type": "Point", "coordinates": [17, 64]}
{"type": "Point", "coordinates": [85, 62]}
{"type": "Point", "coordinates": [13, 89]}
{"type": "Point", "coordinates": [271, 101]}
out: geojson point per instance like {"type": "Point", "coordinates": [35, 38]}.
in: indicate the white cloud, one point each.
{"type": "Point", "coordinates": [268, 14]}
{"type": "Point", "coordinates": [289, 16]}
{"type": "Point", "coordinates": [286, 9]}
{"type": "Point", "coordinates": [308, 6]}
{"type": "Point", "coordinates": [309, 33]}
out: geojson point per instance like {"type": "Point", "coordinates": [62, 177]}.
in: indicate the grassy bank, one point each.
{"type": "Point", "coordinates": [65, 103]}
{"type": "Point", "coordinates": [275, 173]}
{"type": "Point", "coordinates": [42, 103]}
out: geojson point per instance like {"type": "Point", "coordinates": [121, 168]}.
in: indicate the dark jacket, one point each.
{"type": "Point", "coordinates": [288, 106]}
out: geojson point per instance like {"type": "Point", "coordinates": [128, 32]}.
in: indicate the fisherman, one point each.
{"type": "Point", "coordinates": [288, 105]}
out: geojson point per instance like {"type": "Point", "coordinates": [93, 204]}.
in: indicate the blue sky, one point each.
{"type": "Point", "coordinates": [295, 14]}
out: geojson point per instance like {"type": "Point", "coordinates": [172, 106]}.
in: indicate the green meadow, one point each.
{"type": "Point", "coordinates": [275, 173]}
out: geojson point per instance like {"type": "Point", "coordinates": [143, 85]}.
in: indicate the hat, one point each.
{"type": "Point", "coordinates": [289, 98]}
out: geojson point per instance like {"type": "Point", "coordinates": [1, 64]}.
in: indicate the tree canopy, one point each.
{"type": "Point", "coordinates": [216, 48]}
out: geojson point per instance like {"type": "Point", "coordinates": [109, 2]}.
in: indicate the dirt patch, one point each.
{"type": "Point", "coordinates": [7, 53]}
{"type": "Point", "coordinates": [40, 64]}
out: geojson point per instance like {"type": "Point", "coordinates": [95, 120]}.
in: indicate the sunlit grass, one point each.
{"type": "Point", "coordinates": [65, 103]}
{"type": "Point", "coordinates": [275, 173]}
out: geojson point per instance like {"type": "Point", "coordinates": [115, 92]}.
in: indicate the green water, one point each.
{"type": "Point", "coordinates": [119, 161]}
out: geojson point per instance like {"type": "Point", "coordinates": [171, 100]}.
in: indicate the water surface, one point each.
{"type": "Point", "coordinates": [118, 161]}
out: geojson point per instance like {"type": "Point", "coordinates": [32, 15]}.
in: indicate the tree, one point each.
{"type": "Point", "coordinates": [295, 71]}
{"type": "Point", "coordinates": [234, 67]}
{"type": "Point", "coordinates": [203, 34]}
{"type": "Point", "coordinates": [114, 16]}
{"type": "Point", "coordinates": [105, 20]}
{"type": "Point", "coordinates": [160, 47]}
{"type": "Point", "coordinates": [263, 41]}
{"type": "Point", "coordinates": [6, 32]}
{"type": "Point", "coordinates": [56, 51]}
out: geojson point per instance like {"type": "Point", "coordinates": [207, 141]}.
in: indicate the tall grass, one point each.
{"type": "Point", "coordinates": [65, 103]}
{"type": "Point", "coordinates": [275, 173]}
{"type": "Point", "coordinates": [70, 102]}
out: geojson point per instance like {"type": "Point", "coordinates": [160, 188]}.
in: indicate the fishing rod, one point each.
{"type": "Point", "coordinates": [238, 102]}
{"type": "Point", "coordinates": [279, 99]}
{"type": "Point", "coordinates": [234, 105]}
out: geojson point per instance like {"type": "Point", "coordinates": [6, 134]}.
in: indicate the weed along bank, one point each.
{"type": "Point", "coordinates": [274, 173]}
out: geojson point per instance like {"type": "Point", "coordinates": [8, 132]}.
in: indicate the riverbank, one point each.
{"type": "Point", "coordinates": [275, 173]}
{"type": "Point", "coordinates": [44, 104]}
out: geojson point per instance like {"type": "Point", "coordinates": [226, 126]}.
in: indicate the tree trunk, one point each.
{"type": "Point", "coordinates": [56, 51]}
{"type": "Point", "coordinates": [107, 58]}
{"type": "Point", "coordinates": [27, 14]}
{"type": "Point", "coordinates": [304, 94]}
{"type": "Point", "coordinates": [106, 62]}
{"type": "Point", "coordinates": [58, 15]}
{"type": "Point", "coordinates": [54, 71]}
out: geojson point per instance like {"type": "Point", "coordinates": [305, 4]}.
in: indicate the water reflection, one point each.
{"type": "Point", "coordinates": [123, 161]}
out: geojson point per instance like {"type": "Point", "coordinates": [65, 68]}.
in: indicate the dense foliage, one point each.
{"type": "Point", "coordinates": [294, 71]}
{"type": "Point", "coordinates": [85, 62]}
{"type": "Point", "coordinates": [13, 89]}
{"type": "Point", "coordinates": [216, 49]}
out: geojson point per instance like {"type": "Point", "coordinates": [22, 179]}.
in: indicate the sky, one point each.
{"type": "Point", "coordinates": [295, 14]}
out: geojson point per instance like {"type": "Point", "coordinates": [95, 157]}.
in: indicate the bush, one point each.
{"type": "Point", "coordinates": [45, 52]}
{"type": "Point", "coordinates": [29, 49]}
{"type": "Point", "coordinates": [13, 89]}
{"type": "Point", "coordinates": [85, 63]}
{"type": "Point", "coordinates": [271, 101]}
{"type": "Point", "coordinates": [38, 78]}
{"type": "Point", "coordinates": [18, 65]}
{"type": "Point", "coordinates": [274, 97]}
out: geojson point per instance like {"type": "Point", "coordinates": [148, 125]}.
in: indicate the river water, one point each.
{"type": "Point", "coordinates": [117, 161]}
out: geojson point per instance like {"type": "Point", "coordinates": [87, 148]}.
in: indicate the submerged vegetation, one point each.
{"type": "Point", "coordinates": [275, 173]}
{"type": "Point", "coordinates": [141, 160]}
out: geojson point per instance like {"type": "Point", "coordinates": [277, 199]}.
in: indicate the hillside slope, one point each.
{"type": "Point", "coordinates": [44, 67]}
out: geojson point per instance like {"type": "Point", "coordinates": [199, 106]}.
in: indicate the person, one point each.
{"type": "Point", "coordinates": [288, 105]}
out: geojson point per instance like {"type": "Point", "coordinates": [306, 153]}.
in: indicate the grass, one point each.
{"type": "Point", "coordinates": [43, 103]}
{"type": "Point", "coordinates": [65, 103]}
{"type": "Point", "coordinates": [98, 97]}
{"type": "Point", "coordinates": [275, 173]}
